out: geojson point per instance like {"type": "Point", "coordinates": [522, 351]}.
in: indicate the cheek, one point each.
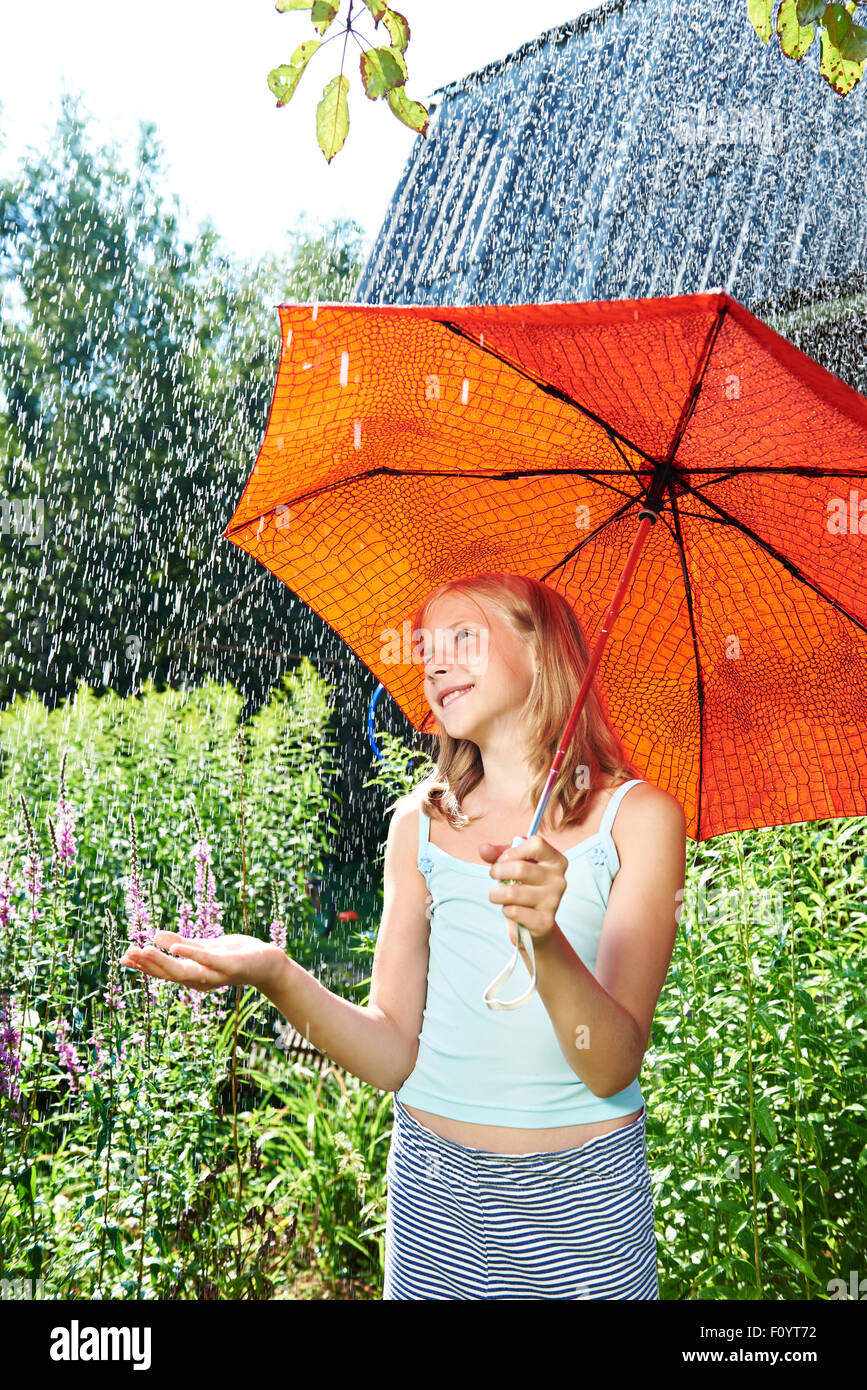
{"type": "Point", "coordinates": [504, 674]}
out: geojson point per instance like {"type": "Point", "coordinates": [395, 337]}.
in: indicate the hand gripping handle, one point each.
{"type": "Point", "coordinates": [523, 938]}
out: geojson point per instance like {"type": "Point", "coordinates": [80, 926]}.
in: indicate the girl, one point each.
{"type": "Point", "coordinates": [517, 1164]}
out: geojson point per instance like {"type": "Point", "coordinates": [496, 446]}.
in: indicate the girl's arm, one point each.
{"type": "Point", "coordinates": [377, 1042]}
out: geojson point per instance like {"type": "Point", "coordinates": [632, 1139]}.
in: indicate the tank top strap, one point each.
{"type": "Point", "coordinates": [613, 803]}
{"type": "Point", "coordinates": [423, 829]}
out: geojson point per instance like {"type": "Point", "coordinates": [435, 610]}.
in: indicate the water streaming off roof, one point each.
{"type": "Point", "coordinates": [642, 149]}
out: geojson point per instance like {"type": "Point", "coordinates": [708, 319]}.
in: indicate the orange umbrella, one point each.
{"type": "Point", "coordinates": [410, 444]}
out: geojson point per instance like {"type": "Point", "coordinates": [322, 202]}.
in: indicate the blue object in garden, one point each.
{"type": "Point", "coordinates": [370, 708]}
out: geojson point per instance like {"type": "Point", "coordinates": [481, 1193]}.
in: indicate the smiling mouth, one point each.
{"type": "Point", "coordinates": [455, 695]}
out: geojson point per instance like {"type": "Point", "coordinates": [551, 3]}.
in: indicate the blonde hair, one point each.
{"type": "Point", "coordinates": [541, 615]}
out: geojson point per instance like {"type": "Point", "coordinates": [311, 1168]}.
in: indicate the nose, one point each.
{"type": "Point", "coordinates": [437, 664]}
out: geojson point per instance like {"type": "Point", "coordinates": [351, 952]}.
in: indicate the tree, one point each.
{"type": "Point", "coordinates": [136, 372]}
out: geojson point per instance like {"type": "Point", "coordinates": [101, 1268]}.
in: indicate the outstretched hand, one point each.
{"type": "Point", "coordinates": [212, 963]}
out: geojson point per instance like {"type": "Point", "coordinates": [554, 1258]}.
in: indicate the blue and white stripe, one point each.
{"type": "Point", "coordinates": [465, 1223]}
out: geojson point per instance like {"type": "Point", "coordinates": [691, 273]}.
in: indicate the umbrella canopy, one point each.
{"type": "Point", "coordinates": [408, 445]}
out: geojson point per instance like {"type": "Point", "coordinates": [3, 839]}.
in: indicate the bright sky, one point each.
{"type": "Point", "coordinates": [198, 69]}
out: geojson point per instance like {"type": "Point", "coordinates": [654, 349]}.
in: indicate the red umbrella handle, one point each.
{"type": "Point", "coordinates": [649, 516]}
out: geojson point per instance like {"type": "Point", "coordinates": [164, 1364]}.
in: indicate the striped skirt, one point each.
{"type": "Point", "coordinates": [470, 1223]}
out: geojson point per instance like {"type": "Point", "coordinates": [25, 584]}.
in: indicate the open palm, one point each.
{"type": "Point", "coordinates": [205, 965]}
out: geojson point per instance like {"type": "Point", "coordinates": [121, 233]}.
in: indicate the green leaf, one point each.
{"type": "Point", "coordinates": [332, 116]}
{"type": "Point", "coordinates": [303, 53]}
{"type": "Point", "coordinates": [284, 79]}
{"type": "Point", "coordinates": [794, 38]}
{"type": "Point", "coordinates": [377, 8]}
{"type": "Point", "coordinates": [743, 1269]}
{"type": "Point", "coordinates": [849, 38]}
{"type": "Point", "coordinates": [113, 1233]}
{"type": "Point", "coordinates": [104, 1132]}
{"type": "Point", "coordinates": [323, 14]}
{"type": "Point", "coordinates": [854, 45]}
{"type": "Point", "coordinates": [809, 10]}
{"type": "Point", "coordinates": [760, 12]}
{"type": "Point", "coordinates": [806, 1131]}
{"type": "Point", "coordinates": [398, 27]}
{"type": "Point", "coordinates": [25, 1184]}
{"type": "Point", "coordinates": [704, 1062]}
{"type": "Point", "coordinates": [797, 1261]}
{"type": "Point", "coordinates": [837, 71]}
{"type": "Point", "coordinates": [780, 1189]}
{"type": "Point", "coordinates": [284, 5]}
{"type": "Point", "coordinates": [159, 1239]}
{"type": "Point", "coordinates": [412, 113]}
{"type": "Point", "coordinates": [765, 1122]}
{"type": "Point", "coordinates": [381, 70]}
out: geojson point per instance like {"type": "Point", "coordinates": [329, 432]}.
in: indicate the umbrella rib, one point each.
{"type": "Point", "coordinates": [548, 389]}
{"type": "Point", "coordinates": [633, 471]}
{"type": "Point", "coordinates": [793, 470]}
{"type": "Point", "coordinates": [678, 539]}
{"type": "Point", "coordinates": [591, 536]}
{"type": "Point", "coordinates": [698, 382]}
{"type": "Point", "coordinates": [775, 554]}
{"type": "Point", "coordinates": [603, 475]}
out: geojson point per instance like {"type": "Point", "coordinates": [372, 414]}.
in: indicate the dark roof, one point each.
{"type": "Point", "coordinates": [644, 148]}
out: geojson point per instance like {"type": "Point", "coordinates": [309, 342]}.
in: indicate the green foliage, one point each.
{"type": "Point", "coordinates": [755, 1074]}
{"type": "Point", "coordinates": [330, 1142]}
{"type": "Point", "coordinates": [119, 1174]}
{"type": "Point", "coordinates": [383, 71]}
{"type": "Point", "coordinates": [760, 12]}
{"type": "Point", "coordinates": [401, 767]}
{"type": "Point", "coordinates": [132, 1184]}
{"type": "Point", "coordinates": [136, 370]}
{"type": "Point", "coordinates": [843, 40]}
{"type": "Point", "coordinates": [159, 755]}
{"type": "Point", "coordinates": [795, 38]}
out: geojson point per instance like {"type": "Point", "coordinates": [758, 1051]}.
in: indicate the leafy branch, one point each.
{"type": "Point", "coordinates": [383, 70]}
{"type": "Point", "coordinates": [843, 41]}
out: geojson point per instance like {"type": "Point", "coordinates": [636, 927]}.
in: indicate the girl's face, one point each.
{"type": "Point", "coordinates": [478, 656]}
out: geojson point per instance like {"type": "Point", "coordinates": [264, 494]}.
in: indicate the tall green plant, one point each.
{"type": "Point", "coordinates": [123, 1087]}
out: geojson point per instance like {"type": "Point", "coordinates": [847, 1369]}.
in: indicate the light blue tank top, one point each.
{"type": "Point", "coordinates": [505, 1066]}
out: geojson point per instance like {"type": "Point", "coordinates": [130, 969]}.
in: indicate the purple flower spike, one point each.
{"type": "Point", "coordinates": [141, 931]}
{"type": "Point", "coordinates": [208, 910]}
{"type": "Point", "coordinates": [33, 880]}
{"type": "Point", "coordinates": [10, 1040]}
{"type": "Point", "coordinates": [7, 888]}
{"type": "Point", "coordinates": [66, 844]}
{"type": "Point", "coordinates": [68, 1056]}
